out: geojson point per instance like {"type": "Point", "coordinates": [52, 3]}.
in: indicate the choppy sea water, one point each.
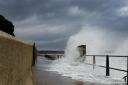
{"type": "Point", "coordinates": [44, 77]}
{"type": "Point", "coordinates": [84, 72]}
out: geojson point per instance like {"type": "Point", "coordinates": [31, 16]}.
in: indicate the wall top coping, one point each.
{"type": "Point", "coordinates": [8, 36]}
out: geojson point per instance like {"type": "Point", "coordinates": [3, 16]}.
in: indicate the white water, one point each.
{"type": "Point", "coordinates": [98, 41]}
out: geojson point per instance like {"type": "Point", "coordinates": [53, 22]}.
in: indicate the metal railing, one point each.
{"type": "Point", "coordinates": [108, 66]}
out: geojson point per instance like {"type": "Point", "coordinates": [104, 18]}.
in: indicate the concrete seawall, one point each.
{"type": "Point", "coordinates": [16, 59]}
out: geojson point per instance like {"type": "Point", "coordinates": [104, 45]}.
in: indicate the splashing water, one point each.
{"type": "Point", "coordinates": [98, 41]}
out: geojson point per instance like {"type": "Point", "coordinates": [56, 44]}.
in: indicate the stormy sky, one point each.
{"type": "Point", "coordinates": [50, 23]}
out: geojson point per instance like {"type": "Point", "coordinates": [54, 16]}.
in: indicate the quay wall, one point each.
{"type": "Point", "coordinates": [16, 58]}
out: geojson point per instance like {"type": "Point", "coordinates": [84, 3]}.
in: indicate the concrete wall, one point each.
{"type": "Point", "coordinates": [15, 61]}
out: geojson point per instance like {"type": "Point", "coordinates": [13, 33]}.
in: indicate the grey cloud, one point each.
{"type": "Point", "coordinates": [24, 8]}
{"type": "Point", "coordinates": [47, 32]}
{"type": "Point", "coordinates": [45, 8]}
{"type": "Point", "coordinates": [57, 44]}
{"type": "Point", "coordinates": [67, 15]}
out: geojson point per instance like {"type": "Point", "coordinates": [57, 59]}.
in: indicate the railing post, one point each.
{"type": "Point", "coordinates": [107, 66]}
{"type": "Point", "coordinates": [94, 62]}
{"type": "Point", "coordinates": [127, 70]}
{"type": "Point", "coordinates": [34, 55]}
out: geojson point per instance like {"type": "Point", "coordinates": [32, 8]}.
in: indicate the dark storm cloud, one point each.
{"type": "Point", "coordinates": [47, 21]}
{"type": "Point", "coordinates": [49, 8]}
{"type": "Point", "coordinates": [42, 8]}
